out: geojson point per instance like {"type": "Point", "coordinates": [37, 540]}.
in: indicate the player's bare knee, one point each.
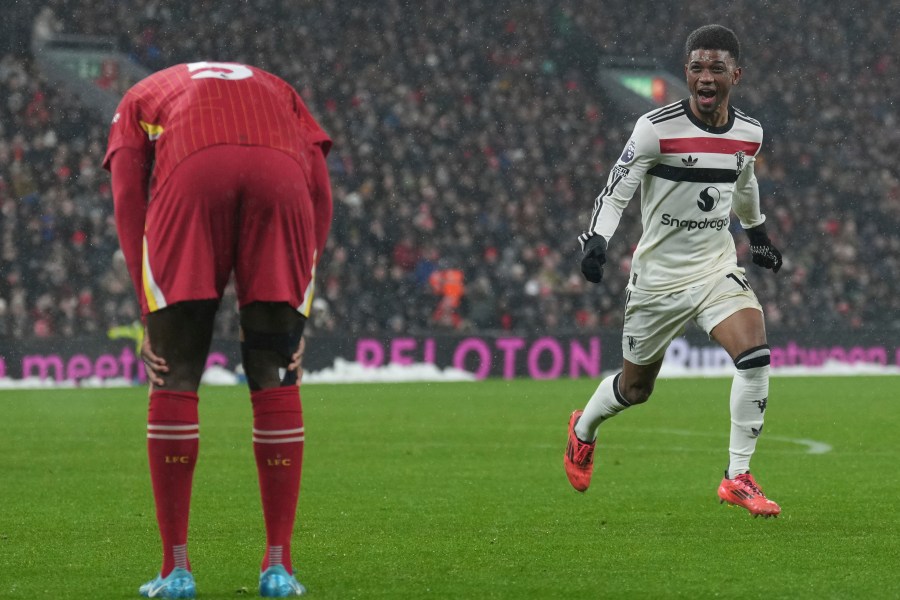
{"type": "Point", "coordinates": [266, 356]}
{"type": "Point", "coordinates": [629, 393]}
{"type": "Point", "coordinates": [635, 392]}
{"type": "Point", "coordinates": [183, 377]}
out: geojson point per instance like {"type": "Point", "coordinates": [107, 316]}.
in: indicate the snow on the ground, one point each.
{"type": "Point", "coordinates": [828, 368]}
{"type": "Point", "coordinates": [345, 371]}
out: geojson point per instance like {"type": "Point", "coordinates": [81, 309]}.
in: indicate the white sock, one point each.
{"type": "Point", "coordinates": [606, 403]}
{"type": "Point", "coordinates": [749, 394]}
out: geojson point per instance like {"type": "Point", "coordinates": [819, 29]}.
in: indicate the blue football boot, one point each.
{"type": "Point", "coordinates": [276, 582]}
{"type": "Point", "coordinates": [177, 584]}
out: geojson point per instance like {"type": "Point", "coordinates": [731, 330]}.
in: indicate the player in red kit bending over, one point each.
{"type": "Point", "coordinates": [219, 167]}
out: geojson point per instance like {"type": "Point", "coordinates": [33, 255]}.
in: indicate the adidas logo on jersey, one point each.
{"type": "Point", "coordinates": [690, 161]}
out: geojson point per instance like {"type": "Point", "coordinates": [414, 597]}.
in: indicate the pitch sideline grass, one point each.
{"type": "Point", "coordinates": [457, 491]}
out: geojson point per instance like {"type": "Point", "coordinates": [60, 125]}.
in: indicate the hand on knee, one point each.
{"type": "Point", "coordinates": [266, 358]}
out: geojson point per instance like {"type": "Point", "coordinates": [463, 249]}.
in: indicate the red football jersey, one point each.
{"type": "Point", "coordinates": [179, 110]}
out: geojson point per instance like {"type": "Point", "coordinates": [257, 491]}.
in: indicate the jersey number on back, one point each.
{"type": "Point", "coordinates": [219, 70]}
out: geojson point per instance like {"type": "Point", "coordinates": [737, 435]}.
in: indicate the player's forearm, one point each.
{"type": "Point", "coordinates": [605, 220]}
{"type": "Point", "coordinates": [746, 207]}
{"type": "Point", "coordinates": [746, 199]}
{"type": "Point", "coordinates": [130, 188]}
{"type": "Point", "coordinates": [322, 199]}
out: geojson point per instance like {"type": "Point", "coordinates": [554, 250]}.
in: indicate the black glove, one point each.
{"type": "Point", "coordinates": [593, 258]}
{"type": "Point", "coordinates": [764, 253]}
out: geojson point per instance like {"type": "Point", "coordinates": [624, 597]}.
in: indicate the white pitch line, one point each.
{"type": "Point", "coordinates": [813, 446]}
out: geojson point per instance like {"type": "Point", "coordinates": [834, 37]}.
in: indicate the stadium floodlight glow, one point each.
{"type": "Point", "coordinates": [652, 87]}
{"type": "Point", "coordinates": [640, 87]}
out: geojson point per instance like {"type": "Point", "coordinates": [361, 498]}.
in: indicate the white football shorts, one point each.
{"type": "Point", "coordinates": [652, 321]}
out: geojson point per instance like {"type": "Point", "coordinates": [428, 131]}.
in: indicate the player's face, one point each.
{"type": "Point", "coordinates": [710, 75]}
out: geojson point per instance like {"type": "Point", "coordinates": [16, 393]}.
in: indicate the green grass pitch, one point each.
{"type": "Point", "coordinates": [456, 490]}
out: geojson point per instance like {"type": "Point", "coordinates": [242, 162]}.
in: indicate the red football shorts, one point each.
{"type": "Point", "coordinates": [229, 208]}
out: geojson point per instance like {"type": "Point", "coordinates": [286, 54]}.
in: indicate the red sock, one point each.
{"type": "Point", "coordinates": [278, 446]}
{"type": "Point", "coordinates": [173, 439]}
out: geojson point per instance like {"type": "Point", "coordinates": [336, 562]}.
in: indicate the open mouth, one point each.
{"type": "Point", "coordinates": [706, 97]}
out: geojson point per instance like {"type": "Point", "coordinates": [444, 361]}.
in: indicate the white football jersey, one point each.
{"type": "Point", "coordinates": [691, 177]}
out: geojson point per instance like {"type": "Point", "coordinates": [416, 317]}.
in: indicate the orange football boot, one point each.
{"type": "Point", "coordinates": [579, 458]}
{"type": "Point", "coordinates": [743, 491]}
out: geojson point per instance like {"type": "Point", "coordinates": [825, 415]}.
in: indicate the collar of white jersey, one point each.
{"type": "Point", "coordinates": [686, 103]}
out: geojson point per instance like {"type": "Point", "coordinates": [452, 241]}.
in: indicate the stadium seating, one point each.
{"type": "Point", "coordinates": [472, 137]}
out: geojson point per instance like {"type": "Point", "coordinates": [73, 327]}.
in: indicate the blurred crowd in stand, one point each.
{"type": "Point", "coordinates": [471, 139]}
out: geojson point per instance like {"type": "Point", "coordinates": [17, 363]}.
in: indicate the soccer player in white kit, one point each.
{"type": "Point", "coordinates": [694, 160]}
